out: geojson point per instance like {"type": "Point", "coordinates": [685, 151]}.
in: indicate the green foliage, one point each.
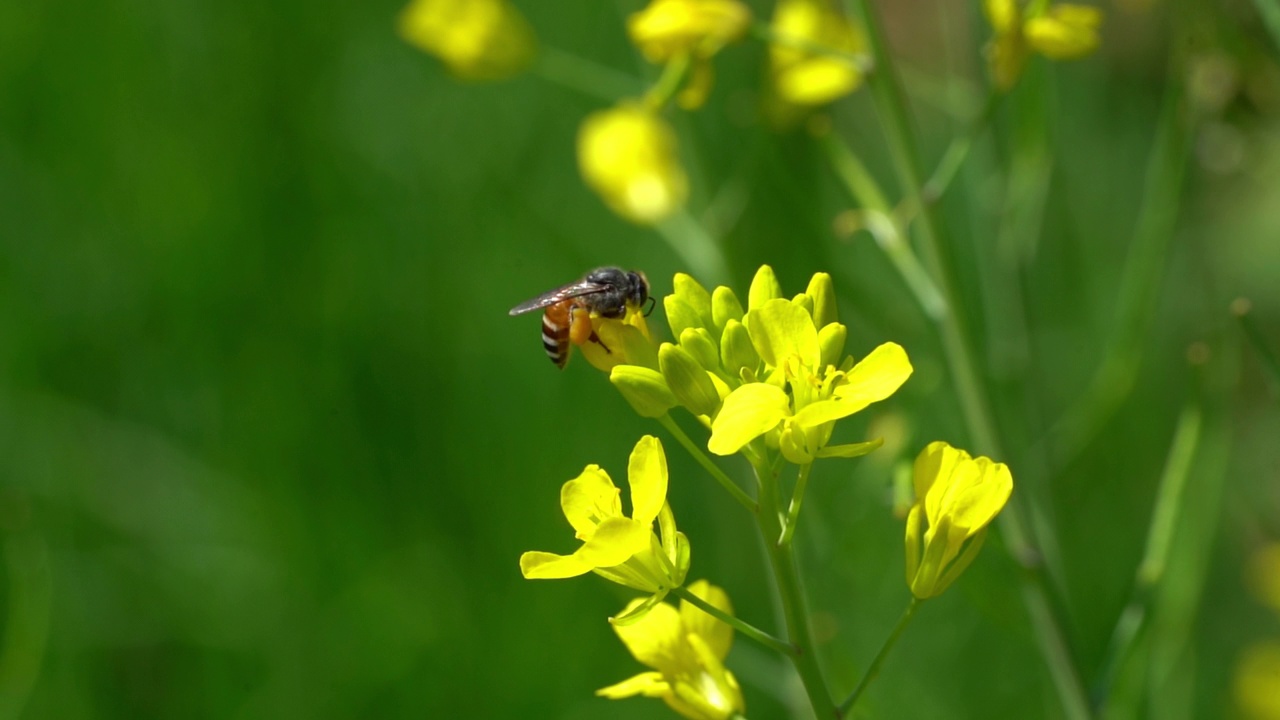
{"type": "Point", "coordinates": [270, 444]}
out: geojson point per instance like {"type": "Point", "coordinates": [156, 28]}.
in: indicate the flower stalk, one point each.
{"type": "Point", "coordinates": [874, 668]}
{"type": "Point", "coordinates": [741, 626]}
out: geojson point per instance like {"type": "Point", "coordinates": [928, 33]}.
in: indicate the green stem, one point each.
{"type": "Point", "coordinates": [764, 32]}
{"type": "Point", "coordinates": [958, 151]}
{"type": "Point", "coordinates": [691, 242]}
{"type": "Point", "coordinates": [725, 481]}
{"type": "Point", "coordinates": [883, 226]}
{"type": "Point", "coordinates": [745, 628]}
{"type": "Point", "coordinates": [673, 76]}
{"type": "Point", "coordinates": [902, 146]}
{"type": "Point", "coordinates": [1168, 508]}
{"type": "Point", "coordinates": [585, 76]}
{"type": "Point", "coordinates": [790, 590]}
{"type": "Point", "coordinates": [30, 591]}
{"type": "Point", "coordinates": [793, 512]}
{"type": "Point", "coordinates": [1241, 308]}
{"type": "Point", "coordinates": [874, 669]}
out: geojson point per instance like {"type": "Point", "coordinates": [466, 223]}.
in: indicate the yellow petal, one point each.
{"type": "Point", "coordinates": [590, 498]}
{"type": "Point", "coordinates": [937, 460]}
{"type": "Point", "coordinates": [614, 542]}
{"type": "Point", "coordinates": [748, 412]}
{"type": "Point", "coordinates": [647, 473]}
{"type": "Point", "coordinates": [875, 377]}
{"type": "Point", "coordinates": [1065, 32]}
{"type": "Point", "coordinates": [974, 506]}
{"type": "Point", "coordinates": [647, 684]}
{"type": "Point", "coordinates": [476, 39]}
{"type": "Point", "coordinates": [781, 329]}
{"type": "Point", "coordinates": [655, 638]}
{"type": "Point", "coordinates": [549, 566]}
{"type": "Point", "coordinates": [716, 634]}
{"type": "Point", "coordinates": [1004, 15]}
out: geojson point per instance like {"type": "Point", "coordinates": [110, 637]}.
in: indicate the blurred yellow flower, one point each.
{"type": "Point", "coordinates": [956, 498]}
{"type": "Point", "coordinates": [1059, 32]}
{"type": "Point", "coordinates": [476, 39]}
{"type": "Point", "coordinates": [802, 76]}
{"type": "Point", "coordinates": [667, 28]}
{"type": "Point", "coordinates": [628, 155]}
{"type": "Point", "coordinates": [688, 31]}
{"type": "Point", "coordinates": [686, 650]}
{"type": "Point", "coordinates": [625, 550]}
{"type": "Point", "coordinates": [1256, 684]}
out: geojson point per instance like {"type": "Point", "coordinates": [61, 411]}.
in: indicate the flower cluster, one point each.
{"type": "Point", "coordinates": [802, 77]}
{"type": "Point", "coordinates": [1059, 32]}
{"type": "Point", "coordinates": [775, 371]}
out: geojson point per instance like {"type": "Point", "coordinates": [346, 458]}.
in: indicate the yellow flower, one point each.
{"type": "Point", "coordinates": [476, 39]}
{"type": "Point", "coordinates": [625, 550]}
{"type": "Point", "coordinates": [1059, 32]}
{"type": "Point", "coordinates": [802, 77]}
{"type": "Point", "coordinates": [800, 393]}
{"type": "Point", "coordinates": [686, 650]}
{"type": "Point", "coordinates": [623, 341]}
{"type": "Point", "coordinates": [667, 28]}
{"type": "Point", "coordinates": [628, 155]}
{"type": "Point", "coordinates": [956, 497]}
{"type": "Point", "coordinates": [688, 31]}
{"type": "Point", "coordinates": [1256, 685]}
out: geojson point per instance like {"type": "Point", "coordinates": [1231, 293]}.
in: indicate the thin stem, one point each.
{"type": "Point", "coordinates": [1242, 308]}
{"type": "Point", "coordinates": [874, 669]}
{"type": "Point", "coordinates": [741, 626]}
{"type": "Point", "coordinates": [793, 512]}
{"type": "Point", "coordinates": [883, 226]}
{"type": "Point", "coordinates": [725, 481]}
{"type": "Point", "coordinates": [1168, 508]}
{"type": "Point", "coordinates": [585, 76]}
{"type": "Point", "coordinates": [689, 240]}
{"type": "Point", "coordinates": [673, 76]}
{"type": "Point", "coordinates": [958, 151]}
{"type": "Point", "coordinates": [790, 590]}
{"type": "Point", "coordinates": [902, 146]}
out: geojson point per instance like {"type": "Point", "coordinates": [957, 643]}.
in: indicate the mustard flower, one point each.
{"type": "Point", "coordinates": [1256, 684]}
{"type": "Point", "coordinates": [691, 30]}
{"type": "Point", "coordinates": [625, 550]}
{"type": "Point", "coordinates": [476, 39]}
{"type": "Point", "coordinates": [686, 650]}
{"type": "Point", "coordinates": [622, 341]}
{"type": "Point", "coordinates": [627, 155]}
{"type": "Point", "coordinates": [797, 393]}
{"type": "Point", "coordinates": [1059, 32]}
{"type": "Point", "coordinates": [956, 498]}
{"type": "Point", "coordinates": [802, 77]}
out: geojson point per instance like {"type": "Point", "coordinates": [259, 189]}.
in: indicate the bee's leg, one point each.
{"type": "Point", "coordinates": [580, 329]}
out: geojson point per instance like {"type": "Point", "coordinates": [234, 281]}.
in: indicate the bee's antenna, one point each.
{"type": "Point", "coordinates": [652, 303]}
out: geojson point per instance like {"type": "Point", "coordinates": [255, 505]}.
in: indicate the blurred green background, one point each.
{"type": "Point", "coordinates": [270, 446]}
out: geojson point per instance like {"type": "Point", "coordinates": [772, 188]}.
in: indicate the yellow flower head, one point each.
{"type": "Point", "coordinates": [667, 28]}
{"type": "Point", "coordinates": [622, 341]}
{"type": "Point", "coordinates": [625, 550]}
{"type": "Point", "coordinates": [1059, 32]}
{"type": "Point", "coordinates": [476, 39]}
{"type": "Point", "coordinates": [956, 498]}
{"type": "Point", "coordinates": [628, 155]}
{"type": "Point", "coordinates": [806, 78]}
{"type": "Point", "coordinates": [686, 650]}
{"type": "Point", "coordinates": [1256, 684]}
{"type": "Point", "coordinates": [796, 393]}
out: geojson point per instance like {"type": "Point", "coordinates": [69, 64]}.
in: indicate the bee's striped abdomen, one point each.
{"type": "Point", "coordinates": [555, 333]}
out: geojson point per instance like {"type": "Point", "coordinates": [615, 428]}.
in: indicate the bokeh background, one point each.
{"type": "Point", "coordinates": [270, 446]}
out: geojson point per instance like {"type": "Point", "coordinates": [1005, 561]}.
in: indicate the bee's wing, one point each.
{"type": "Point", "coordinates": [551, 297]}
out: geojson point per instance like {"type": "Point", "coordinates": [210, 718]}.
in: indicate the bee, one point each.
{"type": "Point", "coordinates": [605, 292]}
